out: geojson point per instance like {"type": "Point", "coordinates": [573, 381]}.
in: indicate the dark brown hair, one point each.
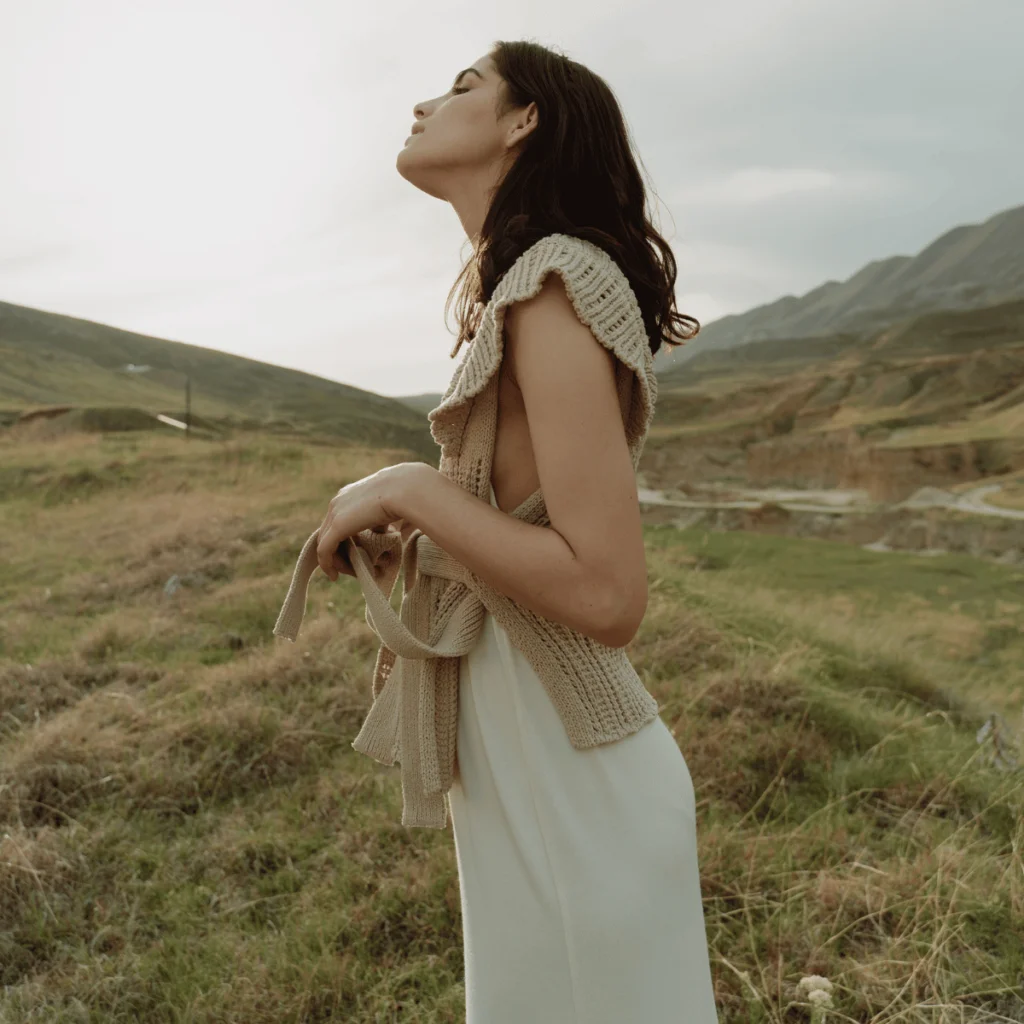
{"type": "Point", "coordinates": [576, 175]}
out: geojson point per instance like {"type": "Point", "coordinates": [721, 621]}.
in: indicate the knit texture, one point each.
{"type": "Point", "coordinates": [415, 685]}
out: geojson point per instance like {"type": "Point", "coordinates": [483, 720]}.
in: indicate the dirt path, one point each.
{"type": "Point", "coordinates": [968, 501]}
{"type": "Point", "coordinates": [652, 497]}
{"type": "Point", "coordinates": [974, 501]}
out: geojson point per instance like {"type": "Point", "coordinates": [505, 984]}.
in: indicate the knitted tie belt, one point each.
{"type": "Point", "coordinates": [372, 557]}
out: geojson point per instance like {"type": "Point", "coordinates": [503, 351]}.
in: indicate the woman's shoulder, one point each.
{"type": "Point", "coordinates": [594, 281]}
{"type": "Point", "coordinates": [560, 248]}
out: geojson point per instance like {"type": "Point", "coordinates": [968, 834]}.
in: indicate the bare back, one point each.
{"type": "Point", "coordinates": [513, 471]}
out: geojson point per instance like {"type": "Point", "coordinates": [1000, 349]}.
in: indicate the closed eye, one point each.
{"type": "Point", "coordinates": [455, 92]}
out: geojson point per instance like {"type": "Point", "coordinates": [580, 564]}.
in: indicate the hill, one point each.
{"type": "Point", "coordinates": [936, 398]}
{"type": "Point", "coordinates": [422, 403]}
{"type": "Point", "coordinates": [52, 359]}
{"type": "Point", "coordinates": [968, 267]}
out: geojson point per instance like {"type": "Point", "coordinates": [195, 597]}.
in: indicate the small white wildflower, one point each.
{"type": "Point", "coordinates": [814, 983]}
{"type": "Point", "coordinates": [819, 997]}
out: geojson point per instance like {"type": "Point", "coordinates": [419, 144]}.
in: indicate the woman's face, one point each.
{"type": "Point", "coordinates": [458, 139]}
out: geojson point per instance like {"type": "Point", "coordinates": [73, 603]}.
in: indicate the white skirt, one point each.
{"type": "Point", "coordinates": [578, 871]}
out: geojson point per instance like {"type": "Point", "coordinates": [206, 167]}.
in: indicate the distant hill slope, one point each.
{"type": "Point", "coordinates": [423, 403]}
{"type": "Point", "coordinates": [53, 359]}
{"type": "Point", "coordinates": [927, 335]}
{"type": "Point", "coordinates": [969, 267]}
{"type": "Point", "coordinates": [933, 399]}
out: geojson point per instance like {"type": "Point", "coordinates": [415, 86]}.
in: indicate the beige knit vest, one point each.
{"type": "Point", "coordinates": [415, 686]}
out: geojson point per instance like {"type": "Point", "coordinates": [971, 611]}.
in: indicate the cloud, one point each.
{"type": "Point", "coordinates": [751, 186]}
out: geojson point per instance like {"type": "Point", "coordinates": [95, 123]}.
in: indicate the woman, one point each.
{"type": "Point", "coordinates": [578, 867]}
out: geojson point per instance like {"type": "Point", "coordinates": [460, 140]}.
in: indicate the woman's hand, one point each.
{"type": "Point", "coordinates": [367, 504]}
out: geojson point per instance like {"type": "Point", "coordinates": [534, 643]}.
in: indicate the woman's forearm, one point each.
{"type": "Point", "coordinates": [533, 565]}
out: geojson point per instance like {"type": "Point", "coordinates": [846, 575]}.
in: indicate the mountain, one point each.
{"type": "Point", "coordinates": [969, 267]}
{"type": "Point", "coordinates": [53, 359]}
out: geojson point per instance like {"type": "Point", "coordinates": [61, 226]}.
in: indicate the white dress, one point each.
{"type": "Point", "coordinates": [578, 871]}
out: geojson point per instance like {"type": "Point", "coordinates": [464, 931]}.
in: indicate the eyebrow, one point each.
{"type": "Point", "coordinates": [465, 71]}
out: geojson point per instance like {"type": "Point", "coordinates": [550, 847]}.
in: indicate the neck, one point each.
{"type": "Point", "coordinates": [471, 200]}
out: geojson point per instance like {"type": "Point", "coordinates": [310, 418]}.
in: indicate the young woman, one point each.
{"type": "Point", "coordinates": [578, 868]}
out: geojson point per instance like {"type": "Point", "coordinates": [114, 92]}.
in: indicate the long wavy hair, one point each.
{"type": "Point", "coordinates": [576, 175]}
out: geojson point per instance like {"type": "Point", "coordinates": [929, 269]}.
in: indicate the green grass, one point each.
{"type": "Point", "coordinates": [51, 359]}
{"type": "Point", "coordinates": [953, 615]}
{"type": "Point", "coordinates": [187, 834]}
{"type": "Point", "coordinates": [822, 567]}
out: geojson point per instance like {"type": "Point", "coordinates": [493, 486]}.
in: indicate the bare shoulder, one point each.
{"type": "Point", "coordinates": [537, 322]}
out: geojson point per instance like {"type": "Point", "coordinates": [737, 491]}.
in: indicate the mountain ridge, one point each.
{"type": "Point", "coordinates": [967, 267]}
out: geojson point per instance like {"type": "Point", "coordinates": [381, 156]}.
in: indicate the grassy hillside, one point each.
{"type": "Point", "coordinates": [51, 359]}
{"type": "Point", "coordinates": [422, 403]}
{"type": "Point", "coordinates": [187, 834]}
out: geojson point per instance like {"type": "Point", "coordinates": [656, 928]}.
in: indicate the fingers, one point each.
{"type": "Point", "coordinates": [342, 559]}
{"type": "Point", "coordinates": [327, 557]}
{"type": "Point", "coordinates": [337, 564]}
{"type": "Point", "coordinates": [336, 560]}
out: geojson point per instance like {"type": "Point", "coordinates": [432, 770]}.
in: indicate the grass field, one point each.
{"type": "Point", "coordinates": [187, 835]}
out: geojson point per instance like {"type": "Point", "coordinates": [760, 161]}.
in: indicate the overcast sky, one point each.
{"type": "Point", "coordinates": [222, 172]}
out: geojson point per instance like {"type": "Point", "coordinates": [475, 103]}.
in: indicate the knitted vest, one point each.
{"type": "Point", "coordinates": [415, 687]}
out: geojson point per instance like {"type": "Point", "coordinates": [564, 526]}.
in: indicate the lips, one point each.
{"type": "Point", "coordinates": [417, 128]}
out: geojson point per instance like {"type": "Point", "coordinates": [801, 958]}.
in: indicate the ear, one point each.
{"type": "Point", "coordinates": [525, 122]}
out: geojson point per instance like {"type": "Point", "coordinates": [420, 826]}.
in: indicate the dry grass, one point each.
{"type": "Point", "coordinates": [1010, 496]}
{"type": "Point", "coordinates": [186, 833]}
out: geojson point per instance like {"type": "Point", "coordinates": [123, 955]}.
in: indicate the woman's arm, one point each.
{"type": "Point", "coordinates": [588, 570]}
{"type": "Point", "coordinates": [534, 565]}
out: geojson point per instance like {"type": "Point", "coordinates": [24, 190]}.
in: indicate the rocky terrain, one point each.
{"type": "Point", "coordinates": [936, 400]}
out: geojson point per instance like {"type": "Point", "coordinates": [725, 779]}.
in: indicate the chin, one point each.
{"type": "Point", "coordinates": [415, 176]}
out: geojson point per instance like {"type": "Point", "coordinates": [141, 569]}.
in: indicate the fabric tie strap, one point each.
{"type": "Point", "coordinates": [406, 704]}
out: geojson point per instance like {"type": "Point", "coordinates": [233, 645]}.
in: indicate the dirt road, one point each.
{"type": "Point", "coordinates": [843, 503]}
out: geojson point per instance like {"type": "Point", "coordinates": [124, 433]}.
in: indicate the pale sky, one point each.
{"type": "Point", "coordinates": [222, 172]}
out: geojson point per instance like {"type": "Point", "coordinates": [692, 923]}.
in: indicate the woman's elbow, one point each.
{"type": "Point", "coordinates": [625, 613]}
